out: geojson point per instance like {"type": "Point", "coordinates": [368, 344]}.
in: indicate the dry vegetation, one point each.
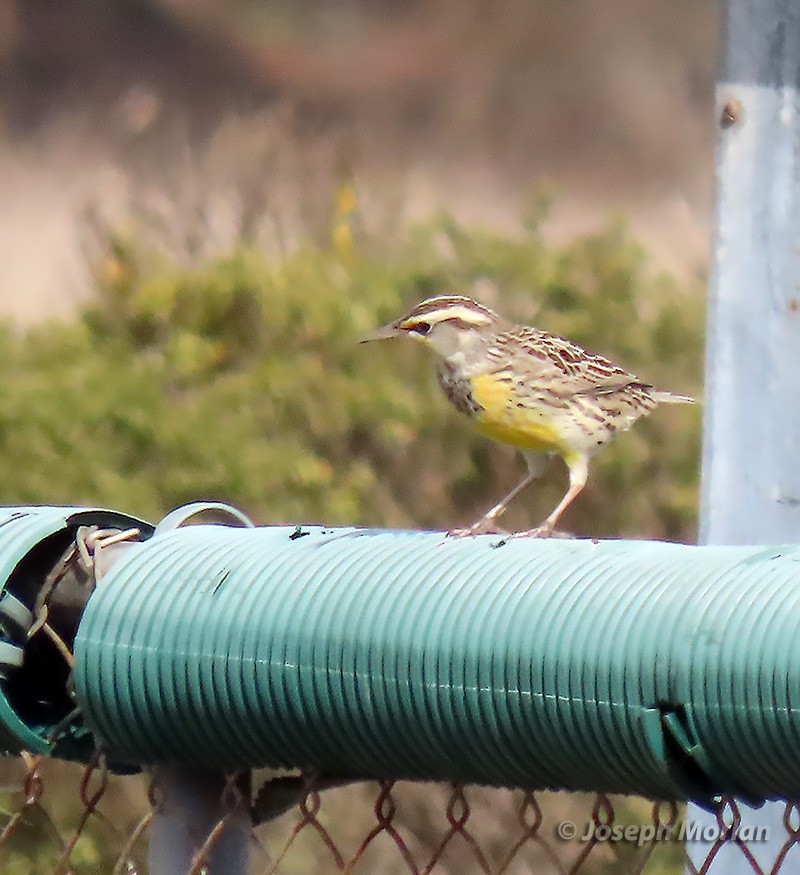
{"type": "Point", "coordinates": [454, 103]}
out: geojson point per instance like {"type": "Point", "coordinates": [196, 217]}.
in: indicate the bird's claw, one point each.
{"type": "Point", "coordinates": [489, 527]}
{"type": "Point", "coordinates": [543, 531]}
{"type": "Point", "coordinates": [482, 527]}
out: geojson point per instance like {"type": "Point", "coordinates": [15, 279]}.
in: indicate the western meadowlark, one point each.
{"type": "Point", "coordinates": [522, 386]}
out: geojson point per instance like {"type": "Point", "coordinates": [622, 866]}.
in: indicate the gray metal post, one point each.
{"type": "Point", "coordinates": [751, 452]}
{"type": "Point", "coordinates": [189, 806]}
{"type": "Point", "coordinates": [191, 803]}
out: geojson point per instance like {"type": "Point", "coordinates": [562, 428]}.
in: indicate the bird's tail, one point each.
{"type": "Point", "coordinates": [671, 398]}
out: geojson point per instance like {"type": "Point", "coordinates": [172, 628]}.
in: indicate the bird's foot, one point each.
{"type": "Point", "coordinates": [484, 526]}
{"type": "Point", "coordinates": [542, 531]}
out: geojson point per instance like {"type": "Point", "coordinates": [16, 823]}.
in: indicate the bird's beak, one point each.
{"type": "Point", "coordinates": [384, 333]}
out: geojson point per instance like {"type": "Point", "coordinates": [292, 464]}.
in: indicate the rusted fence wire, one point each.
{"type": "Point", "coordinates": [68, 819]}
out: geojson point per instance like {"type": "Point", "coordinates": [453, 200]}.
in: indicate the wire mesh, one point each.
{"type": "Point", "coordinates": [69, 820]}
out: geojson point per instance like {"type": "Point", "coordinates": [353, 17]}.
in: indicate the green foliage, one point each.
{"type": "Point", "coordinates": [241, 379]}
{"type": "Point", "coordinates": [41, 826]}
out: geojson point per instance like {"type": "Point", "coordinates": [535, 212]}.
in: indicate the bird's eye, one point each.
{"type": "Point", "coordinates": [422, 328]}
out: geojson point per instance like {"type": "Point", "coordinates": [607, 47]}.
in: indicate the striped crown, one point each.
{"type": "Point", "coordinates": [458, 310]}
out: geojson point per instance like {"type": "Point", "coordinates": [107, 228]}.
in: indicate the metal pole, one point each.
{"type": "Point", "coordinates": [189, 805]}
{"type": "Point", "coordinates": [751, 453]}
{"type": "Point", "coordinates": [202, 821]}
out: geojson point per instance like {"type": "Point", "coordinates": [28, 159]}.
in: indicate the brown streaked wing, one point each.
{"type": "Point", "coordinates": [557, 360]}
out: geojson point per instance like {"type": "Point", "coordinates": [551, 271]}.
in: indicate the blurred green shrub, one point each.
{"type": "Point", "coordinates": [241, 379]}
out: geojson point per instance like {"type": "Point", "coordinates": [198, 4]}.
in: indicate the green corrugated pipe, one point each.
{"type": "Point", "coordinates": [33, 676]}
{"type": "Point", "coordinates": [658, 669]}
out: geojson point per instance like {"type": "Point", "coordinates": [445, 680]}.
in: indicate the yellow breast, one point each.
{"type": "Point", "coordinates": [531, 427]}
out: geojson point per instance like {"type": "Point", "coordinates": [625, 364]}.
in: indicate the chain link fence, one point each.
{"type": "Point", "coordinates": [61, 817]}
{"type": "Point", "coordinates": [68, 819]}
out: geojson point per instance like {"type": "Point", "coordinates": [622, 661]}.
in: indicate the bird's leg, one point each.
{"type": "Point", "coordinates": [578, 472]}
{"type": "Point", "coordinates": [500, 508]}
{"type": "Point", "coordinates": [485, 525]}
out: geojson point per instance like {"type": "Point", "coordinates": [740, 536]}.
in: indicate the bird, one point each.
{"type": "Point", "coordinates": [520, 385]}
